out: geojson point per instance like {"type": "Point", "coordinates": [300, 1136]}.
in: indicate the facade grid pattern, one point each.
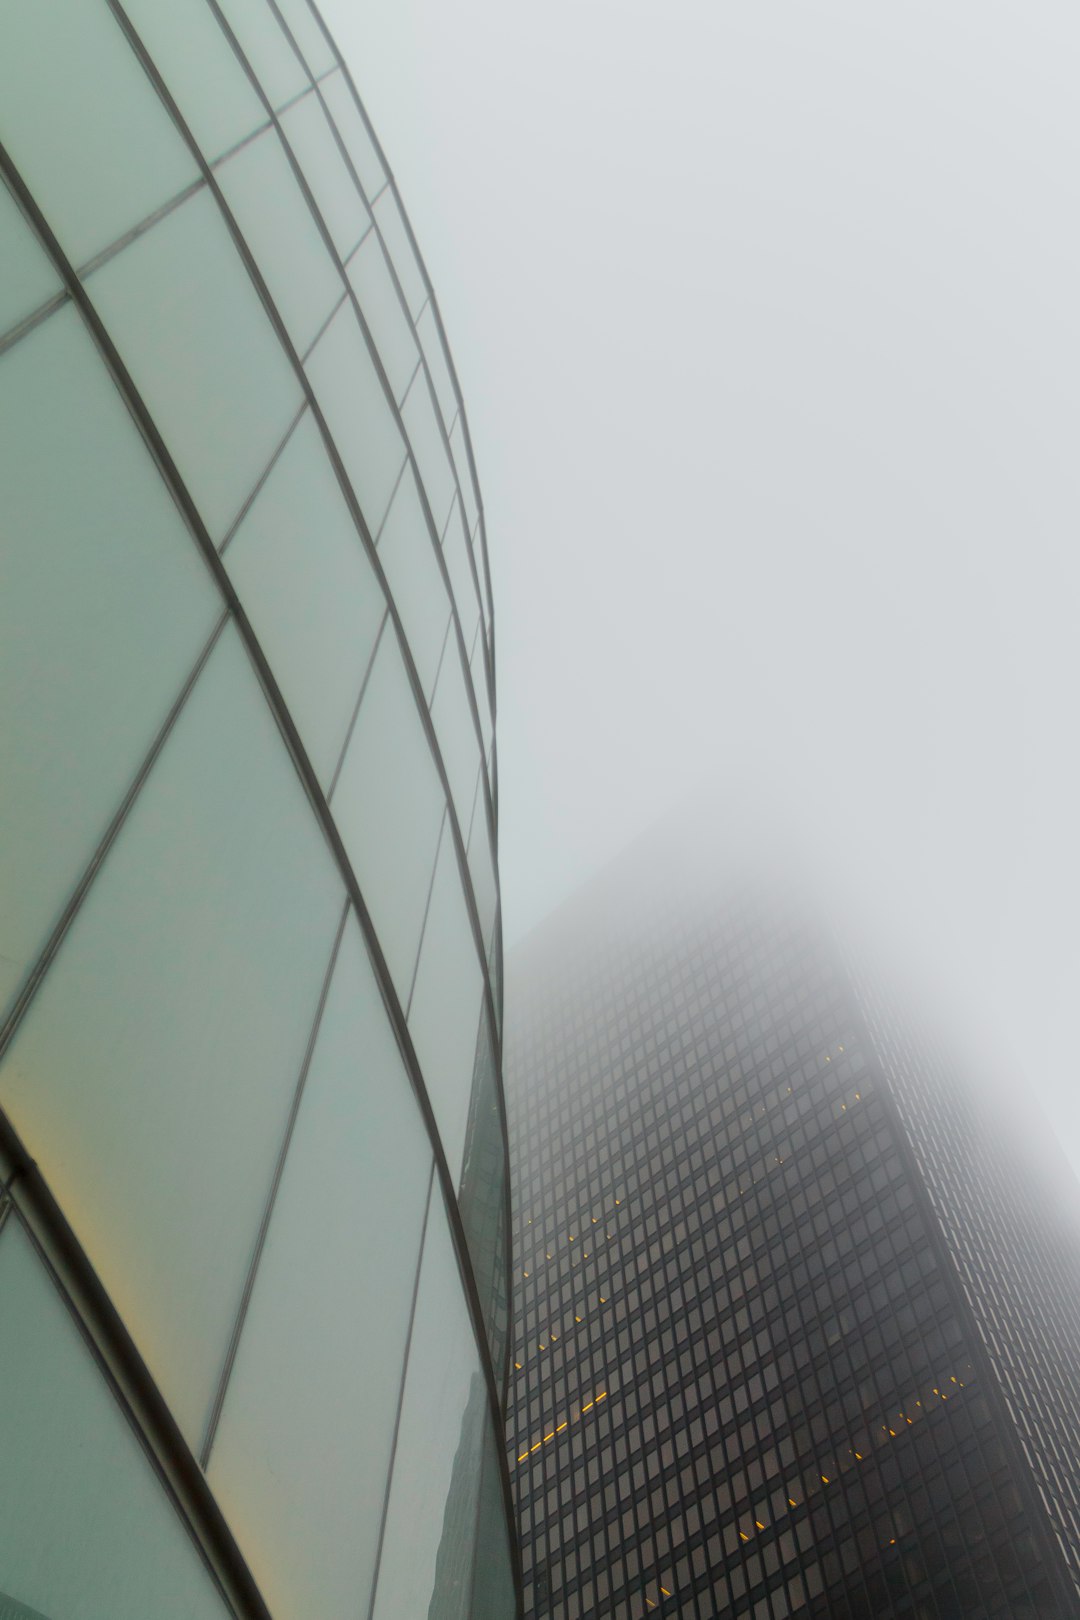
{"type": "Point", "coordinates": [253, 1173]}
{"type": "Point", "coordinates": [744, 1382]}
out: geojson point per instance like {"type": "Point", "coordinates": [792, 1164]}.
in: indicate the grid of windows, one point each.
{"type": "Point", "coordinates": [742, 1382]}
{"type": "Point", "coordinates": [253, 1188]}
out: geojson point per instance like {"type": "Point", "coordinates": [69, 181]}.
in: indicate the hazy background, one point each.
{"type": "Point", "coordinates": [766, 319]}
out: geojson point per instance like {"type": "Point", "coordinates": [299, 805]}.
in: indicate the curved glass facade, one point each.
{"type": "Point", "coordinates": [253, 1273]}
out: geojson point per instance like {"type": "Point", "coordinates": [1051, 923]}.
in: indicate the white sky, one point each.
{"type": "Point", "coordinates": [767, 321]}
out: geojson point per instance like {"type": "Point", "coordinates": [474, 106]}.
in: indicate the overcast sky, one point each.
{"type": "Point", "coordinates": [766, 318]}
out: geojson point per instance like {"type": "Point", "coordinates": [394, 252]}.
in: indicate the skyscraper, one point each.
{"type": "Point", "coordinates": [253, 1268]}
{"type": "Point", "coordinates": [796, 1333]}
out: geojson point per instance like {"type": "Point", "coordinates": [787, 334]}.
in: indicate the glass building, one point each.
{"type": "Point", "coordinates": [797, 1331]}
{"type": "Point", "coordinates": [253, 1194]}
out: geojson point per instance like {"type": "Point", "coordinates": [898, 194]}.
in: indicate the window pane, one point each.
{"type": "Point", "coordinates": [27, 277]}
{"type": "Point", "coordinates": [481, 1195]}
{"type": "Point", "coordinates": [352, 399]}
{"type": "Point", "coordinates": [269, 53]}
{"type": "Point", "coordinates": [308, 35]}
{"type": "Point", "coordinates": [201, 70]}
{"type": "Point", "coordinates": [353, 131]}
{"type": "Point", "coordinates": [461, 580]}
{"type": "Point", "coordinates": [105, 604]}
{"type": "Point", "coordinates": [468, 493]}
{"type": "Point", "coordinates": [300, 570]}
{"type": "Point", "coordinates": [85, 1527]}
{"type": "Point", "coordinates": [302, 1454]}
{"type": "Point", "coordinates": [482, 868]}
{"type": "Point", "coordinates": [415, 581]}
{"type": "Point", "coordinates": [445, 1009]}
{"type": "Point", "coordinates": [377, 297]}
{"type": "Point", "coordinates": [427, 1554]}
{"type": "Point", "coordinates": [418, 414]}
{"type": "Point", "coordinates": [428, 333]}
{"type": "Point", "coordinates": [153, 1074]}
{"type": "Point", "coordinates": [333, 187]}
{"type": "Point", "coordinates": [192, 331]}
{"type": "Point", "coordinates": [494, 1597]}
{"type": "Point", "coordinates": [69, 82]}
{"type": "Point", "coordinates": [389, 806]}
{"type": "Point", "coordinates": [400, 250]}
{"type": "Point", "coordinates": [262, 192]}
{"type": "Point", "coordinates": [456, 731]}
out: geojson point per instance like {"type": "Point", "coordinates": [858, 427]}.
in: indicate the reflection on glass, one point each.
{"type": "Point", "coordinates": [86, 1528]}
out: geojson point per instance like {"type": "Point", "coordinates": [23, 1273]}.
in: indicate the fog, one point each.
{"type": "Point", "coordinates": [767, 326]}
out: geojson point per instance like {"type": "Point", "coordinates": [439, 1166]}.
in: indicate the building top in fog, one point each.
{"type": "Point", "coordinates": [253, 1273]}
{"type": "Point", "coordinates": [793, 1336]}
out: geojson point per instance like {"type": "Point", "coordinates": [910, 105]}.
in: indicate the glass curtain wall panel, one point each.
{"type": "Point", "coordinates": [252, 1127]}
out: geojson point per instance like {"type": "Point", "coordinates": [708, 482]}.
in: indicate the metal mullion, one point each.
{"type": "Point", "coordinates": [332, 450]}
{"type": "Point", "coordinates": [45, 1204]}
{"type": "Point", "coordinates": [24, 327]}
{"type": "Point", "coordinates": [401, 1398]}
{"type": "Point", "coordinates": [99, 1327]}
{"type": "Point", "coordinates": [356, 708]}
{"type": "Point", "coordinates": [218, 1402]}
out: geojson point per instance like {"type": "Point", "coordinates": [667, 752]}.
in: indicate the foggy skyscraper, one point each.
{"type": "Point", "coordinates": [795, 1334]}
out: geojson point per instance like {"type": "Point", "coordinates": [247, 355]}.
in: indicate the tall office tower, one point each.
{"type": "Point", "coordinates": [253, 1264]}
{"type": "Point", "coordinates": [796, 1334]}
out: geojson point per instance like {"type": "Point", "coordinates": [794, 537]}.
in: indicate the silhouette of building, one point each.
{"type": "Point", "coordinates": [253, 1190]}
{"type": "Point", "coordinates": [796, 1331]}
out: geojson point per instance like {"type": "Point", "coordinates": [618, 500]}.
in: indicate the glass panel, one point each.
{"type": "Point", "coordinates": [352, 399]}
{"type": "Point", "coordinates": [377, 297]}
{"type": "Point", "coordinates": [393, 233]}
{"type": "Point", "coordinates": [428, 333]}
{"type": "Point", "coordinates": [85, 1526]}
{"type": "Point", "coordinates": [69, 82]}
{"type": "Point", "coordinates": [303, 576]}
{"type": "Point", "coordinates": [430, 1533]}
{"type": "Point", "coordinates": [494, 1596]}
{"type": "Point", "coordinates": [105, 604]}
{"type": "Point", "coordinates": [153, 1075]}
{"type": "Point", "coordinates": [332, 186]}
{"type": "Point", "coordinates": [479, 676]}
{"type": "Point", "coordinates": [452, 718]}
{"type": "Point", "coordinates": [302, 1454]}
{"type": "Point", "coordinates": [482, 1195]}
{"type": "Point", "coordinates": [461, 579]}
{"type": "Point", "coordinates": [272, 212]}
{"type": "Point", "coordinates": [415, 581]}
{"type": "Point", "coordinates": [465, 482]}
{"type": "Point", "coordinates": [193, 333]}
{"type": "Point", "coordinates": [445, 1007]}
{"type": "Point", "coordinates": [418, 415]}
{"type": "Point", "coordinates": [389, 805]}
{"type": "Point", "coordinates": [354, 132]}
{"type": "Point", "coordinates": [269, 53]}
{"type": "Point", "coordinates": [482, 867]}
{"type": "Point", "coordinates": [201, 70]}
{"type": "Point", "coordinates": [27, 277]}
{"type": "Point", "coordinates": [308, 35]}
